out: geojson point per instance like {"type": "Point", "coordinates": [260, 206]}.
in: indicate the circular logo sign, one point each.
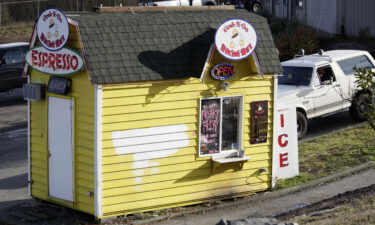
{"type": "Point", "coordinates": [53, 29]}
{"type": "Point", "coordinates": [235, 39]}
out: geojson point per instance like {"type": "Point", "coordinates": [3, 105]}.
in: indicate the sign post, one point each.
{"type": "Point", "coordinates": [285, 143]}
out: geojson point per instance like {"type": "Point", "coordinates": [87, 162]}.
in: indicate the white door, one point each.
{"type": "Point", "coordinates": [60, 147]}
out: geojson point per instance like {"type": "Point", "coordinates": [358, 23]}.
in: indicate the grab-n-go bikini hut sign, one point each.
{"type": "Point", "coordinates": [52, 58]}
{"type": "Point", "coordinates": [236, 39]}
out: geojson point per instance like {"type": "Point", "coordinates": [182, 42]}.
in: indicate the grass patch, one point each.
{"type": "Point", "coordinates": [16, 32]}
{"type": "Point", "coordinates": [333, 153]}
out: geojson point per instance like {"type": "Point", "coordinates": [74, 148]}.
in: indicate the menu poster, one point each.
{"type": "Point", "coordinates": [259, 122]}
{"type": "Point", "coordinates": [210, 126]}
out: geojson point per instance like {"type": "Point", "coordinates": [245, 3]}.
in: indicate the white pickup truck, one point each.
{"type": "Point", "coordinates": [324, 83]}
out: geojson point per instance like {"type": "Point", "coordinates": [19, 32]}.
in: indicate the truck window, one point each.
{"type": "Point", "coordinates": [348, 65]}
{"type": "Point", "coordinates": [293, 75]}
{"type": "Point", "coordinates": [13, 56]}
{"type": "Point", "coordinates": [325, 73]}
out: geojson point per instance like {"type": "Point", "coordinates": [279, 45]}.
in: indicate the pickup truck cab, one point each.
{"type": "Point", "coordinates": [324, 83]}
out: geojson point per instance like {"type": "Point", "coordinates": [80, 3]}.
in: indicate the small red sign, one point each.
{"type": "Point", "coordinates": [222, 71]}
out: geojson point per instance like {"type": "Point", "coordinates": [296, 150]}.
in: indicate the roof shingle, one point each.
{"type": "Point", "coordinates": [125, 47]}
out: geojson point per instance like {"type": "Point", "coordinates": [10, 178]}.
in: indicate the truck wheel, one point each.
{"type": "Point", "coordinates": [359, 107]}
{"type": "Point", "coordinates": [256, 7]}
{"type": "Point", "coordinates": [301, 125]}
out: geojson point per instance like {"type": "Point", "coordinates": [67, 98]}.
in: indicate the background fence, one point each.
{"type": "Point", "coordinates": [28, 10]}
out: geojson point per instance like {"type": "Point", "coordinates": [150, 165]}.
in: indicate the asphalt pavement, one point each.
{"type": "Point", "coordinates": [13, 110]}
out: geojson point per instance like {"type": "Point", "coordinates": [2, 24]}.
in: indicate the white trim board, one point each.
{"type": "Point", "coordinates": [98, 152]}
{"type": "Point", "coordinates": [29, 181]}
{"type": "Point", "coordinates": [275, 81]}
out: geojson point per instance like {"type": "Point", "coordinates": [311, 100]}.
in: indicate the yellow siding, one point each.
{"type": "Point", "coordinates": [83, 95]}
{"type": "Point", "coordinates": [146, 179]}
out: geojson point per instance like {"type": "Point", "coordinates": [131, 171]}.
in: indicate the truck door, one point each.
{"type": "Point", "coordinates": [327, 95]}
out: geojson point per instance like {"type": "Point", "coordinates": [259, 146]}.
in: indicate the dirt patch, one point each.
{"type": "Point", "coordinates": [347, 198]}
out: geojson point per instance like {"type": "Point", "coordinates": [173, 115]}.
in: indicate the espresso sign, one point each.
{"type": "Point", "coordinates": [222, 71]}
{"type": "Point", "coordinates": [62, 62]}
{"type": "Point", "coordinates": [53, 29]}
{"type": "Point", "coordinates": [235, 39]}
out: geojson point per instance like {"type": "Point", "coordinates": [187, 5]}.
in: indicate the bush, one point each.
{"type": "Point", "coordinates": [291, 36]}
{"type": "Point", "coordinates": [366, 81]}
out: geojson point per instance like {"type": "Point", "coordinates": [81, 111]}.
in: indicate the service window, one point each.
{"type": "Point", "coordinates": [220, 125]}
{"type": "Point", "coordinates": [348, 65]}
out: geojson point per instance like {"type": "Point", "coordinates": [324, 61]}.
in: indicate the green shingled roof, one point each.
{"type": "Point", "coordinates": [145, 46]}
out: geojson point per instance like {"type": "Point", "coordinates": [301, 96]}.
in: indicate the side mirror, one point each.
{"type": "Point", "coordinates": [2, 61]}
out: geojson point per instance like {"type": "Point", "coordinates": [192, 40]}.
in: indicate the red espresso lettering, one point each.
{"type": "Point", "coordinates": [56, 61]}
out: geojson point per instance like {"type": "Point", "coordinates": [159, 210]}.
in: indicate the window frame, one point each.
{"type": "Point", "coordinates": [316, 75]}
{"type": "Point", "coordinates": [239, 128]}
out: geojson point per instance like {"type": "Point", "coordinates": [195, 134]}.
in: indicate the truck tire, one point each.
{"type": "Point", "coordinates": [359, 107]}
{"type": "Point", "coordinates": [301, 125]}
{"type": "Point", "coordinates": [256, 7]}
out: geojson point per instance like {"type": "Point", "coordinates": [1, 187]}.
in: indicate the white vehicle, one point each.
{"type": "Point", "coordinates": [181, 3]}
{"type": "Point", "coordinates": [324, 83]}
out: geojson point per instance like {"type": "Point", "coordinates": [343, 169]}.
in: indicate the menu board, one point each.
{"type": "Point", "coordinates": [210, 126]}
{"type": "Point", "coordinates": [259, 122]}
{"type": "Point", "coordinates": [59, 85]}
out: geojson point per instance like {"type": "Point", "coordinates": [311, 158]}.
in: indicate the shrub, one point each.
{"type": "Point", "coordinates": [366, 81]}
{"type": "Point", "coordinates": [291, 36]}
{"type": "Point", "coordinates": [290, 42]}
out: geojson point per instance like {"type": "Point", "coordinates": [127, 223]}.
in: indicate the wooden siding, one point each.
{"type": "Point", "coordinates": [150, 136]}
{"type": "Point", "coordinates": [82, 93]}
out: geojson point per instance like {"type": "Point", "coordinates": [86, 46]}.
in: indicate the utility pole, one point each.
{"type": "Point", "coordinates": [1, 8]}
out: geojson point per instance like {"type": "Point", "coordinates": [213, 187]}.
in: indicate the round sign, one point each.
{"type": "Point", "coordinates": [235, 39]}
{"type": "Point", "coordinates": [53, 29]}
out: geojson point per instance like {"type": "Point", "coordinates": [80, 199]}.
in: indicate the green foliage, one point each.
{"type": "Point", "coordinates": [366, 81]}
{"type": "Point", "coordinates": [291, 36]}
{"type": "Point", "coordinates": [302, 178]}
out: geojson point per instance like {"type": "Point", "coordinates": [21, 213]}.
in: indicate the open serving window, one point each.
{"type": "Point", "coordinates": [220, 125]}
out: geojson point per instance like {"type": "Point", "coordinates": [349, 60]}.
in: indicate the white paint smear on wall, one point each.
{"type": "Point", "coordinates": [150, 144]}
